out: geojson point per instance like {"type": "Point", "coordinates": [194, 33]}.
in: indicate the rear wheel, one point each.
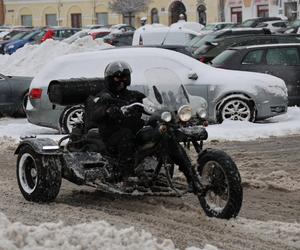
{"type": "Point", "coordinates": [71, 117]}
{"type": "Point", "coordinates": [39, 176]}
{"type": "Point", "coordinates": [220, 177]}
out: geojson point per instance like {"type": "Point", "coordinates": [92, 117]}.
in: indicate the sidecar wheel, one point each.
{"type": "Point", "coordinates": [219, 174]}
{"type": "Point", "coordinates": [39, 176]}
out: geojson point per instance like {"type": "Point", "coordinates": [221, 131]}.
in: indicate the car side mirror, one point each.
{"type": "Point", "coordinates": [193, 76]}
{"type": "Point", "coordinates": [6, 38]}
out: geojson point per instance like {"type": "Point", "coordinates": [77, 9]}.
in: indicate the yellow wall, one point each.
{"type": "Point", "coordinates": [87, 8]}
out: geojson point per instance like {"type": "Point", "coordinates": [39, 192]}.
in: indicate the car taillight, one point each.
{"type": "Point", "coordinates": [35, 93]}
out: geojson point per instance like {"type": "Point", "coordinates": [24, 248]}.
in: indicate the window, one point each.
{"type": "Point", "coordinates": [26, 20]}
{"type": "Point", "coordinates": [283, 56]}
{"type": "Point", "coordinates": [129, 19]}
{"type": "Point", "coordinates": [51, 20]}
{"type": "Point", "coordinates": [236, 14]}
{"type": "Point", "coordinates": [102, 18]}
{"type": "Point", "coordinates": [76, 20]}
{"type": "Point", "coordinates": [263, 10]}
{"type": "Point", "coordinates": [223, 57]}
{"type": "Point", "coordinates": [279, 24]}
{"type": "Point", "coordinates": [253, 57]}
{"type": "Point", "coordinates": [154, 16]}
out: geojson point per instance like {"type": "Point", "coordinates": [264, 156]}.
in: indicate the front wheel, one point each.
{"type": "Point", "coordinates": [39, 176]}
{"type": "Point", "coordinates": [236, 109]}
{"type": "Point", "coordinates": [221, 180]}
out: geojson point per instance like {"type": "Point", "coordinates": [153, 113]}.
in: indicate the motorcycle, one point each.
{"type": "Point", "coordinates": [173, 123]}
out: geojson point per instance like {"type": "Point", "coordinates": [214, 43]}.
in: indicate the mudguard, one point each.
{"type": "Point", "coordinates": [37, 145]}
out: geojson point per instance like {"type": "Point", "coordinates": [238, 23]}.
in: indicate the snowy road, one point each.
{"type": "Point", "coordinates": [269, 218]}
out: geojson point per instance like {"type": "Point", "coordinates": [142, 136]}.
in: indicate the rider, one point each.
{"type": "Point", "coordinates": [118, 130]}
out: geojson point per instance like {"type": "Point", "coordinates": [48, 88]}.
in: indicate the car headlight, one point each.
{"type": "Point", "coordinates": [166, 116]}
{"type": "Point", "coordinates": [185, 113]}
{"type": "Point", "coordinates": [11, 46]}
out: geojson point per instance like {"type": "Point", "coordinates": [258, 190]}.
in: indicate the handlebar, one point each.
{"type": "Point", "coordinates": [148, 110]}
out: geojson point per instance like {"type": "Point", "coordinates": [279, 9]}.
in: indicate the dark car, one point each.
{"type": "Point", "coordinates": [201, 40]}
{"type": "Point", "coordinates": [281, 60]}
{"type": "Point", "coordinates": [19, 35]}
{"type": "Point", "coordinates": [254, 22]}
{"type": "Point", "coordinates": [13, 94]}
{"type": "Point", "coordinates": [119, 39]}
{"type": "Point", "coordinates": [210, 50]}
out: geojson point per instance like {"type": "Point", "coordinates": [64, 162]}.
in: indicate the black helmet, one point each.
{"type": "Point", "coordinates": [116, 74]}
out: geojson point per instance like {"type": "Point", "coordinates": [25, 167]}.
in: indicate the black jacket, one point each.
{"type": "Point", "coordinates": [108, 123]}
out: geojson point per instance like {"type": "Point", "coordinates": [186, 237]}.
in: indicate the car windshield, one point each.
{"type": "Point", "coordinates": [166, 92]}
{"type": "Point", "coordinates": [19, 35]}
{"type": "Point", "coordinates": [31, 34]}
{"type": "Point", "coordinates": [295, 23]}
{"type": "Point", "coordinates": [247, 23]}
{"type": "Point", "coordinates": [202, 40]}
{"type": "Point", "coordinates": [209, 27]}
{"type": "Point", "coordinates": [221, 58]}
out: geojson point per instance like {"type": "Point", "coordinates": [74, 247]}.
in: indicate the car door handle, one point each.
{"type": "Point", "coordinates": [267, 72]}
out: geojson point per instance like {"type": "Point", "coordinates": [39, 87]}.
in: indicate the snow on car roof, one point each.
{"type": "Point", "coordinates": [92, 64]}
{"type": "Point", "coordinates": [270, 45]}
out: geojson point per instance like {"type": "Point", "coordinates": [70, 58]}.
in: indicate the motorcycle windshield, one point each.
{"type": "Point", "coordinates": [164, 90]}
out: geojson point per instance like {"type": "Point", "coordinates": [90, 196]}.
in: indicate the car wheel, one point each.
{"type": "Point", "coordinates": [236, 109]}
{"type": "Point", "coordinates": [71, 117]}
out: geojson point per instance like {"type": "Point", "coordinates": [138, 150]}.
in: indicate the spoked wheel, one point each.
{"type": "Point", "coordinates": [39, 177]}
{"type": "Point", "coordinates": [71, 117]}
{"type": "Point", "coordinates": [223, 194]}
{"type": "Point", "coordinates": [237, 110]}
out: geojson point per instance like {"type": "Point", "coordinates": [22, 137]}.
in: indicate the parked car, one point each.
{"type": "Point", "coordinates": [201, 40]}
{"type": "Point", "coordinates": [281, 60]}
{"type": "Point", "coordinates": [211, 27]}
{"type": "Point", "coordinates": [211, 49]}
{"type": "Point", "coordinates": [254, 22]}
{"type": "Point", "coordinates": [274, 26]}
{"type": "Point", "coordinates": [99, 33]}
{"type": "Point", "coordinates": [57, 33]}
{"type": "Point", "coordinates": [17, 36]}
{"type": "Point", "coordinates": [119, 39]}
{"type": "Point", "coordinates": [13, 46]}
{"type": "Point", "coordinates": [121, 28]}
{"type": "Point", "coordinates": [259, 97]}
{"type": "Point", "coordinates": [77, 35]}
{"type": "Point", "coordinates": [163, 36]}
{"type": "Point", "coordinates": [13, 94]}
{"type": "Point", "coordinates": [293, 28]}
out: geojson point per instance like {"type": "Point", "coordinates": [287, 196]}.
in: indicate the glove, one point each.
{"type": "Point", "coordinates": [115, 113]}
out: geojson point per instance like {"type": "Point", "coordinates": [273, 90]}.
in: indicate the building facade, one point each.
{"type": "Point", "coordinates": [240, 10]}
{"type": "Point", "coordinates": [77, 13]}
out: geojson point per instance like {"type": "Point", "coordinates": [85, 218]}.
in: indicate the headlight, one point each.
{"type": "Point", "coordinates": [185, 113]}
{"type": "Point", "coordinates": [202, 113]}
{"type": "Point", "coordinates": [11, 46]}
{"type": "Point", "coordinates": [166, 116]}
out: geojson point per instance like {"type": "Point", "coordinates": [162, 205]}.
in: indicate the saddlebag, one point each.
{"type": "Point", "coordinates": [74, 91]}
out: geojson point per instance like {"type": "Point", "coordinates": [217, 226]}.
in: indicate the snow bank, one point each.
{"type": "Point", "coordinates": [28, 60]}
{"type": "Point", "coordinates": [96, 235]}
{"type": "Point", "coordinates": [282, 125]}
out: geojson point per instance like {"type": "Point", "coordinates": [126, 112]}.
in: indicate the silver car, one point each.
{"type": "Point", "coordinates": [234, 95]}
